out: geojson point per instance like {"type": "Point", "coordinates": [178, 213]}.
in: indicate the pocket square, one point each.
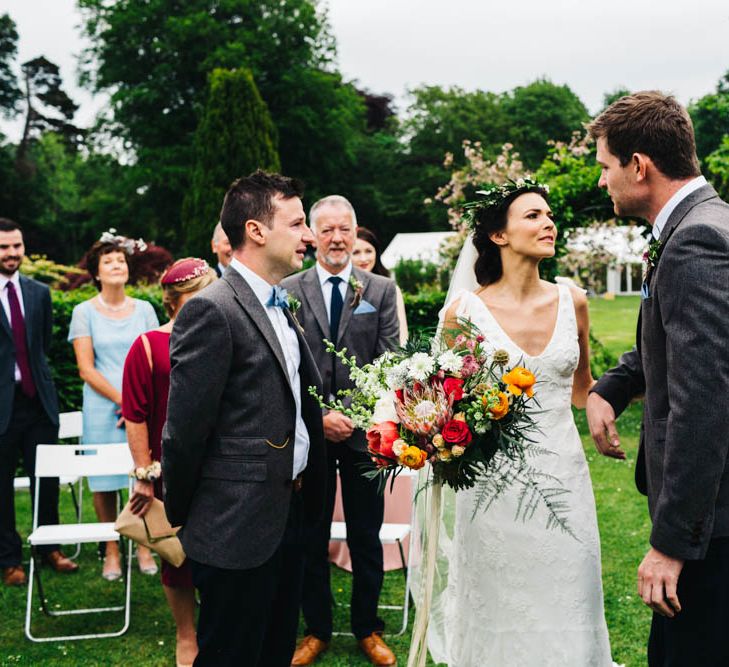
{"type": "Point", "coordinates": [364, 307]}
{"type": "Point", "coordinates": [644, 291]}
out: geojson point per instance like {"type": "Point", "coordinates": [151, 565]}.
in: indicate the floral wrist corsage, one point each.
{"type": "Point", "coordinates": [150, 473]}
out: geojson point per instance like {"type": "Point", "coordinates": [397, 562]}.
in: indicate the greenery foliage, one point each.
{"type": "Point", "coordinates": [235, 136]}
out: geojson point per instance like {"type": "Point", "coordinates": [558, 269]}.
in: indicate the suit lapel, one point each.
{"type": "Point", "coordinates": [248, 300]}
{"type": "Point", "coordinates": [348, 309]}
{"type": "Point", "coordinates": [28, 306]}
{"type": "Point", "coordinates": [315, 298]}
{"type": "Point", "coordinates": [5, 322]}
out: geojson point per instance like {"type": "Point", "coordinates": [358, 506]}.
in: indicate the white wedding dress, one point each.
{"type": "Point", "coordinates": [519, 594]}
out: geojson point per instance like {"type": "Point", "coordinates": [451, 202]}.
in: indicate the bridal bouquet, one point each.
{"type": "Point", "coordinates": [462, 409]}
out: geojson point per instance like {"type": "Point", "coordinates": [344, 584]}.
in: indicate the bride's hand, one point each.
{"type": "Point", "coordinates": [601, 420]}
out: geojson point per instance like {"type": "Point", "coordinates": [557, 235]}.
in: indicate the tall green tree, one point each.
{"type": "Point", "coordinates": [155, 57]}
{"type": "Point", "coordinates": [710, 115]}
{"type": "Point", "coordinates": [48, 108]}
{"type": "Point", "coordinates": [539, 112]}
{"type": "Point", "coordinates": [235, 136]}
{"type": "Point", "coordinates": [9, 91]}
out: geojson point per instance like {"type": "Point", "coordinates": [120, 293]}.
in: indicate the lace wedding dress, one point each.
{"type": "Point", "coordinates": [519, 594]}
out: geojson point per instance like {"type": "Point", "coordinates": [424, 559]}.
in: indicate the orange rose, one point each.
{"type": "Point", "coordinates": [380, 439]}
{"type": "Point", "coordinates": [499, 411]}
{"type": "Point", "coordinates": [520, 380]}
{"type": "Point", "coordinates": [413, 457]}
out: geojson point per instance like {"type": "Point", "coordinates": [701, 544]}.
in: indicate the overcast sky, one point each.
{"type": "Point", "coordinates": [387, 46]}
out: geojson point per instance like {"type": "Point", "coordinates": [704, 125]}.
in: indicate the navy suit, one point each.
{"type": "Point", "coordinates": [26, 422]}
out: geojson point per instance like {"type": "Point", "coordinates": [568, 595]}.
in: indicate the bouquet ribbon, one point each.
{"type": "Point", "coordinates": [419, 643]}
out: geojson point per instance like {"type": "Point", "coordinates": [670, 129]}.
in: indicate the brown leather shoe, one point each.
{"type": "Point", "coordinates": [377, 651]}
{"type": "Point", "coordinates": [308, 650]}
{"type": "Point", "coordinates": [14, 576]}
{"type": "Point", "coordinates": [59, 562]}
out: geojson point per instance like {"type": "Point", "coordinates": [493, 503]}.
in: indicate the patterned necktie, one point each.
{"type": "Point", "coordinates": [17, 324]}
{"type": "Point", "coordinates": [335, 314]}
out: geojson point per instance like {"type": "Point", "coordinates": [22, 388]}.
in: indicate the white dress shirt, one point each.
{"type": "Point", "coordinates": [290, 346]}
{"type": "Point", "coordinates": [326, 286]}
{"type": "Point", "coordinates": [670, 205]}
{"type": "Point", "coordinates": [4, 280]}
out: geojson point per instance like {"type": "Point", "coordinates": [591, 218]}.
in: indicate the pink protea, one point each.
{"type": "Point", "coordinates": [424, 410]}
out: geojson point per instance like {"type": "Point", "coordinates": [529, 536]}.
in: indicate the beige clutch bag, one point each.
{"type": "Point", "coordinates": [152, 530]}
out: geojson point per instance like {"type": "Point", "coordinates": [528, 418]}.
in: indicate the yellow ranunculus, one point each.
{"type": "Point", "coordinates": [500, 410]}
{"type": "Point", "coordinates": [413, 457]}
{"type": "Point", "coordinates": [520, 380]}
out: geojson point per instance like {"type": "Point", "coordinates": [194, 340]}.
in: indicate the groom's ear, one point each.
{"type": "Point", "coordinates": [640, 164]}
{"type": "Point", "coordinates": [253, 232]}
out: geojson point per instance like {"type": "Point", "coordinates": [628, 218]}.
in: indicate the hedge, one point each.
{"type": "Point", "coordinates": [422, 312]}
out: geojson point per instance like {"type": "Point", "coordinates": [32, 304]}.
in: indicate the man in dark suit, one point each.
{"type": "Point", "coordinates": [645, 145]}
{"type": "Point", "coordinates": [356, 310]}
{"type": "Point", "coordinates": [220, 246]}
{"type": "Point", "coordinates": [243, 448]}
{"type": "Point", "coordinates": [28, 402]}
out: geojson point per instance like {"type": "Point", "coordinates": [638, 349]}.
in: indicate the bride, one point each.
{"type": "Point", "coordinates": [517, 594]}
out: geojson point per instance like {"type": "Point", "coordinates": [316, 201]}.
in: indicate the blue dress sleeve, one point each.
{"type": "Point", "coordinates": [150, 316]}
{"type": "Point", "coordinates": [79, 326]}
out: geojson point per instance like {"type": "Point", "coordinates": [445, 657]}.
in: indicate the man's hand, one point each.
{"type": "Point", "coordinates": [657, 582]}
{"type": "Point", "coordinates": [601, 420]}
{"type": "Point", "coordinates": [337, 427]}
{"type": "Point", "coordinates": [142, 497]}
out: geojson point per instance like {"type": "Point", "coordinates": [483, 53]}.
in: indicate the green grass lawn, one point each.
{"type": "Point", "coordinates": [624, 529]}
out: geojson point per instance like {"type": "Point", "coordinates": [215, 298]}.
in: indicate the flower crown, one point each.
{"type": "Point", "coordinates": [495, 195]}
{"type": "Point", "coordinates": [128, 245]}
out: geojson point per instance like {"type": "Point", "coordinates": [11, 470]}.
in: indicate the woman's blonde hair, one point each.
{"type": "Point", "coordinates": [171, 293]}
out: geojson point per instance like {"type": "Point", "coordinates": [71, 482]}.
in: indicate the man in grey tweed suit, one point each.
{"type": "Point", "coordinates": [357, 310]}
{"type": "Point", "coordinates": [645, 146]}
{"type": "Point", "coordinates": [243, 447]}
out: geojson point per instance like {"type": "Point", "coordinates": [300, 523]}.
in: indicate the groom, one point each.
{"type": "Point", "coordinates": [646, 148]}
{"type": "Point", "coordinates": [243, 447]}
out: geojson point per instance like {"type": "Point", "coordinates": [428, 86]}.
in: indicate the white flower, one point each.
{"type": "Point", "coordinates": [450, 362]}
{"type": "Point", "coordinates": [457, 450]}
{"type": "Point", "coordinates": [396, 375]}
{"type": "Point", "coordinates": [420, 366]}
{"type": "Point", "coordinates": [398, 447]}
{"type": "Point", "coordinates": [385, 409]}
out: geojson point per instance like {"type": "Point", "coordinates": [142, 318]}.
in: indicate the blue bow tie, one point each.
{"type": "Point", "coordinates": [279, 297]}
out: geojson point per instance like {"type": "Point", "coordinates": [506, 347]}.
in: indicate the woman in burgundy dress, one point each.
{"type": "Point", "coordinates": [145, 388]}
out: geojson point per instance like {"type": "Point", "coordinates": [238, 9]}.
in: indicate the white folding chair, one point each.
{"type": "Point", "coordinates": [82, 461]}
{"type": "Point", "coordinates": [70, 426]}
{"type": "Point", "coordinates": [390, 533]}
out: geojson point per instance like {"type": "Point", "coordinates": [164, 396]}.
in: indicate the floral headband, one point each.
{"type": "Point", "coordinates": [495, 195]}
{"type": "Point", "coordinates": [130, 246]}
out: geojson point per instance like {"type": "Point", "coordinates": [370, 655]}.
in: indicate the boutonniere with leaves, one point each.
{"type": "Point", "coordinates": [357, 288]}
{"type": "Point", "coordinates": [652, 255]}
{"type": "Point", "coordinates": [293, 305]}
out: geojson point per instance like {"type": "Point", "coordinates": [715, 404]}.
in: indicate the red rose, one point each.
{"type": "Point", "coordinates": [453, 387]}
{"type": "Point", "coordinates": [400, 395]}
{"type": "Point", "coordinates": [456, 432]}
{"type": "Point", "coordinates": [380, 439]}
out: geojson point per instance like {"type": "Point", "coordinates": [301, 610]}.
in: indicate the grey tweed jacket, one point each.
{"type": "Point", "coordinates": [681, 363]}
{"type": "Point", "coordinates": [366, 329]}
{"type": "Point", "coordinates": [228, 443]}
